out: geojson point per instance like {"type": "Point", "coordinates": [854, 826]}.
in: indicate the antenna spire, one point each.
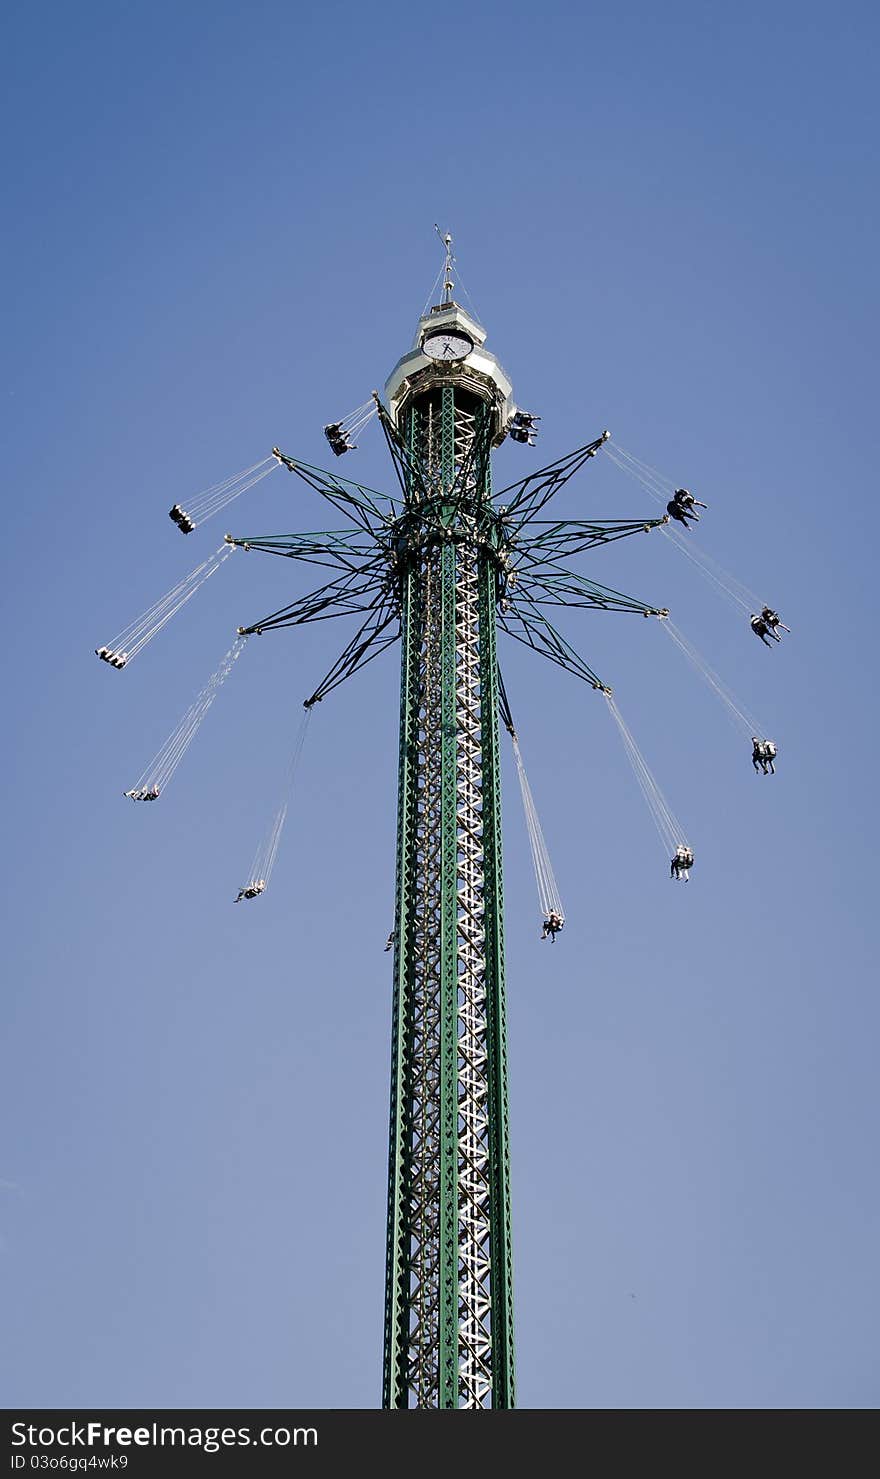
{"type": "Point", "coordinates": [448, 284]}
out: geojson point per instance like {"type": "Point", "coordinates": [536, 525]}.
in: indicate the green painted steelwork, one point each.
{"type": "Point", "coordinates": [448, 1344]}
{"type": "Point", "coordinates": [504, 1382]}
{"type": "Point", "coordinates": [448, 1393]}
{"type": "Point", "coordinates": [395, 1378]}
{"type": "Point", "coordinates": [441, 566]}
{"type": "Point", "coordinates": [447, 792]}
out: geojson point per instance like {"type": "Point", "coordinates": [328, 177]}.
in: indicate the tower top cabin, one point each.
{"type": "Point", "coordinates": [449, 349]}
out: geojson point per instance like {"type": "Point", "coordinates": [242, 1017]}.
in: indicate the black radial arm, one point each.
{"type": "Point", "coordinates": [527, 497]}
{"type": "Point", "coordinates": [339, 549]}
{"type": "Point", "coordinates": [535, 631]}
{"type": "Point", "coordinates": [351, 499]}
{"type": "Point", "coordinates": [347, 595]}
{"type": "Point", "coordinates": [504, 707]}
{"type": "Point", "coordinates": [409, 471]}
{"type": "Point", "coordinates": [562, 587]}
{"type": "Point", "coordinates": [380, 630]}
{"type": "Point", "coordinates": [407, 468]}
{"type": "Point", "coordinates": [556, 538]}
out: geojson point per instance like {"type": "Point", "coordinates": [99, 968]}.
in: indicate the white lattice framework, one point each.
{"type": "Point", "coordinates": [475, 1367]}
{"type": "Point", "coordinates": [424, 1208]}
{"type": "Point", "coordinates": [473, 1223]}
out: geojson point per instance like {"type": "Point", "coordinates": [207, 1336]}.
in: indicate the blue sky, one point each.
{"type": "Point", "coordinates": [220, 237]}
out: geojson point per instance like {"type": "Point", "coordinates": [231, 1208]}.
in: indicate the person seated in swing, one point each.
{"type": "Point", "coordinates": [181, 519]}
{"type": "Point", "coordinates": [686, 500]}
{"type": "Point", "coordinates": [769, 757]}
{"type": "Point", "coordinates": [683, 506]}
{"type": "Point", "coordinates": [553, 923]}
{"type": "Point", "coordinates": [682, 860]}
{"type": "Point", "coordinates": [761, 629]}
{"type": "Point", "coordinates": [522, 427]}
{"type": "Point", "coordinates": [115, 659]}
{"type": "Point", "coordinates": [771, 620]}
{"type": "Point", "coordinates": [338, 438]}
{"type": "Point", "coordinates": [251, 891]}
{"type": "Point", "coordinates": [758, 759]}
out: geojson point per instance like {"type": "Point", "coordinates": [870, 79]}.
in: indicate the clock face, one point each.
{"type": "Point", "coordinates": [447, 346]}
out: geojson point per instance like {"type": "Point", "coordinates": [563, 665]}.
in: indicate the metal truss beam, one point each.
{"type": "Point", "coordinates": [365, 507]}
{"type": "Point", "coordinates": [338, 549]}
{"type": "Point", "coordinates": [525, 498]}
{"type": "Point", "coordinates": [372, 638]}
{"type": "Point", "coordinates": [558, 537]}
{"type": "Point", "coordinates": [501, 1222]}
{"type": "Point", "coordinates": [562, 587]}
{"type": "Point", "coordinates": [406, 467]}
{"type": "Point", "coordinates": [448, 1321]}
{"type": "Point", "coordinates": [435, 567]}
{"type": "Point", "coordinates": [361, 590]}
{"type": "Point", "coordinates": [535, 631]}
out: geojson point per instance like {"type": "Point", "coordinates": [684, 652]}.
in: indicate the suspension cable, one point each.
{"type": "Point", "coordinates": [669, 828]}
{"type": "Point", "coordinates": [738, 593]}
{"type": "Point", "coordinates": [154, 779]}
{"type": "Point", "coordinates": [340, 434]}
{"type": "Point", "coordinates": [210, 501]}
{"type": "Point", "coordinates": [267, 850]}
{"type": "Point", "coordinates": [548, 890]}
{"type": "Point", "coordinates": [133, 638]}
{"type": "Point", "coordinates": [434, 288]}
{"type": "Point", "coordinates": [661, 488]}
{"type": "Point", "coordinates": [742, 718]}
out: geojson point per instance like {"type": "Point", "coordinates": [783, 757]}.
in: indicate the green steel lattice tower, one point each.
{"type": "Point", "coordinates": [438, 566]}
{"type": "Point", "coordinates": [449, 1314]}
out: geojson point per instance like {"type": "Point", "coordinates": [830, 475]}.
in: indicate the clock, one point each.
{"type": "Point", "coordinates": [446, 346]}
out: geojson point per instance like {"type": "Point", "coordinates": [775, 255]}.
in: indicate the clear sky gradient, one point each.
{"type": "Point", "coordinates": [219, 237]}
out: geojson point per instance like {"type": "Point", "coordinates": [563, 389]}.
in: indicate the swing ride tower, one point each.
{"type": "Point", "coordinates": [448, 1300]}
{"type": "Point", "coordinates": [442, 565]}
{"type": "Point", "coordinates": [449, 1276]}
{"type": "Point", "coordinates": [448, 561]}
